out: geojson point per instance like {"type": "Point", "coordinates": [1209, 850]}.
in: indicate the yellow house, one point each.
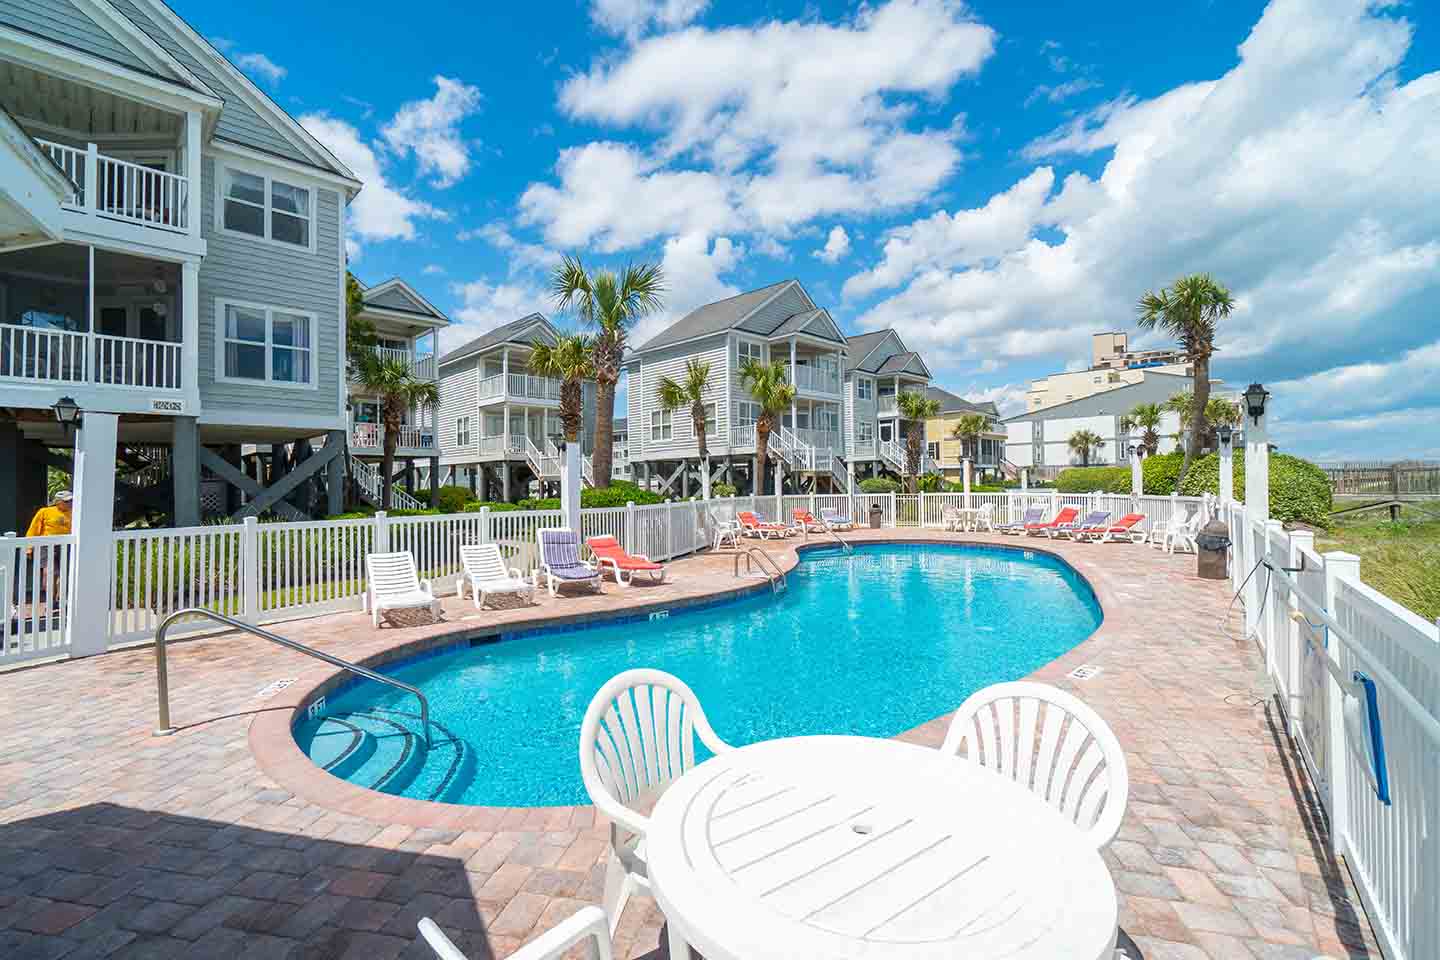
{"type": "Point", "coordinates": [945, 451]}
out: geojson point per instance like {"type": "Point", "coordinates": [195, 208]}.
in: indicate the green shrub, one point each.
{"type": "Point", "coordinates": [723, 490]}
{"type": "Point", "coordinates": [1090, 479]}
{"type": "Point", "coordinates": [1160, 473]}
{"type": "Point", "coordinates": [618, 494]}
{"type": "Point", "coordinates": [1299, 490]}
{"type": "Point", "coordinates": [452, 499]}
{"type": "Point", "coordinates": [930, 483]}
{"type": "Point", "coordinates": [879, 485]}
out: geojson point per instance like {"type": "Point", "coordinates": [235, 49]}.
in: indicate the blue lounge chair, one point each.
{"type": "Point", "coordinates": [1032, 515]}
{"type": "Point", "coordinates": [560, 559]}
{"type": "Point", "coordinates": [836, 519]}
{"type": "Point", "coordinates": [1095, 518]}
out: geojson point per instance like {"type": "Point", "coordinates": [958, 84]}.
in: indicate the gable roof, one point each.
{"type": "Point", "coordinates": [953, 403]}
{"type": "Point", "coordinates": [516, 331]}
{"type": "Point", "coordinates": [713, 317]}
{"type": "Point", "coordinates": [860, 348]}
{"type": "Point", "coordinates": [398, 296]}
{"type": "Point", "coordinates": [1155, 388]}
{"type": "Point", "coordinates": [768, 312]}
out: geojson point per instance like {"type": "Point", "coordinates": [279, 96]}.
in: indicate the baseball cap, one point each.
{"type": "Point", "coordinates": [64, 495]}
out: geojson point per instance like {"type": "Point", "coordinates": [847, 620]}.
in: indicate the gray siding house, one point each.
{"type": "Point", "coordinates": [879, 367]}
{"type": "Point", "coordinates": [187, 290]}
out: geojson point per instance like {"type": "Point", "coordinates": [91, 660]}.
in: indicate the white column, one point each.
{"type": "Point", "coordinates": [1227, 471]}
{"type": "Point", "coordinates": [192, 172]}
{"type": "Point", "coordinates": [505, 429]}
{"type": "Point", "coordinates": [965, 464]}
{"type": "Point", "coordinates": [1024, 478]}
{"type": "Point", "coordinates": [190, 334]}
{"type": "Point", "coordinates": [93, 523]}
{"type": "Point", "coordinates": [1137, 474]}
{"type": "Point", "coordinates": [794, 422]}
{"type": "Point", "coordinates": [570, 484]}
{"type": "Point", "coordinates": [1257, 470]}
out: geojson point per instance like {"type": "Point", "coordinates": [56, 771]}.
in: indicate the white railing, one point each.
{"type": "Point", "coordinates": [371, 436]}
{"type": "Point", "coordinates": [545, 463]}
{"type": "Point", "coordinates": [422, 367]}
{"type": "Point", "coordinates": [519, 386]}
{"type": "Point", "coordinates": [743, 435]}
{"type": "Point", "coordinates": [34, 597]}
{"type": "Point", "coordinates": [819, 439]}
{"type": "Point", "coordinates": [426, 368]}
{"type": "Point", "coordinates": [892, 453]}
{"type": "Point", "coordinates": [372, 485]}
{"type": "Point", "coordinates": [42, 355]}
{"type": "Point", "coordinates": [130, 362]}
{"type": "Point", "coordinates": [887, 407]}
{"type": "Point", "coordinates": [71, 162]}
{"type": "Point", "coordinates": [495, 446]}
{"type": "Point", "coordinates": [1322, 630]}
{"type": "Point", "coordinates": [815, 379]}
{"type": "Point", "coordinates": [491, 387]}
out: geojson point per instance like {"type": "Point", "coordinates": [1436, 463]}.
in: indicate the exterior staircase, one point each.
{"type": "Point", "coordinates": [371, 484]}
{"type": "Point", "coordinates": [892, 454]}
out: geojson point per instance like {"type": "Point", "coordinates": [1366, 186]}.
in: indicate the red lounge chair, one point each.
{"type": "Point", "coordinates": [609, 553]}
{"type": "Point", "coordinates": [805, 522]}
{"type": "Point", "coordinates": [1066, 515]}
{"type": "Point", "coordinates": [1123, 529]}
{"type": "Point", "coordinates": [753, 526]}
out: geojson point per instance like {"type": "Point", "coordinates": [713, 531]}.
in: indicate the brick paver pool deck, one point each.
{"type": "Point", "coordinates": [223, 841]}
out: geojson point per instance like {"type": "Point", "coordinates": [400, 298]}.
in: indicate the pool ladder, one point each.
{"type": "Point", "coordinates": [162, 673]}
{"type": "Point", "coordinates": [768, 566]}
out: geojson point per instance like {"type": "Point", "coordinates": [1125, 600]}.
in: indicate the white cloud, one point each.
{"type": "Point", "coordinates": [381, 211]}
{"type": "Point", "coordinates": [522, 256]}
{"type": "Point", "coordinates": [693, 266]}
{"type": "Point", "coordinates": [837, 244]}
{"type": "Point", "coordinates": [1060, 92]}
{"type": "Point", "coordinates": [1410, 380]}
{"type": "Point", "coordinates": [485, 306]}
{"type": "Point", "coordinates": [433, 269]}
{"type": "Point", "coordinates": [1307, 178]}
{"type": "Point", "coordinates": [260, 66]}
{"type": "Point", "coordinates": [763, 128]}
{"type": "Point", "coordinates": [629, 18]}
{"type": "Point", "coordinates": [431, 130]}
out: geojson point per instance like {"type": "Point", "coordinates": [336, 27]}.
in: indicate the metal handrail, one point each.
{"type": "Point", "coordinates": [838, 539]}
{"type": "Point", "coordinates": [776, 578]}
{"type": "Point", "coordinates": [162, 675]}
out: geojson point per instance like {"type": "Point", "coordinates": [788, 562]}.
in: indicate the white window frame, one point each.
{"type": "Point", "coordinates": [462, 431]}
{"type": "Point", "coordinates": [712, 421]}
{"type": "Point", "coordinates": [865, 388]}
{"type": "Point", "coordinates": [740, 409]}
{"type": "Point", "coordinates": [744, 347]}
{"type": "Point", "coordinates": [865, 431]}
{"type": "Point", "coordinates": [662, 426]}
{"type": "Point", "coordinates": [221, 303]}
{"type": "Point", "coordinates": [221, 163]}
{"type": "Point", "coordinates": [932, 450]}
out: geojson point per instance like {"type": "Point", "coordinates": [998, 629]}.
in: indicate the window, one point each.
{"type": "Point", "coordinates": [746, 413]}
{"type": "Point", "coordinates": [865, 388]}
{"type": "Point", "coordinates": [660, 427]}
{"type": "Point", "coordinates": [257, 206]}
{"type": "Point", "coordinates": [751, 351]}
{"type": "Point", "coordinates": [711, 422]}
{"type": "Point", "coordinates": [462, 431]}
{"type": "Point", "coordinates": [932, 450]}
{"type": "Point", "coordinates": [265, 344]}
{"type": "Point", "coordinates": [865, 431]}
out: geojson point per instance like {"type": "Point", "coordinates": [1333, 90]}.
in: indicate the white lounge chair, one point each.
{"type": "Point", "coordinates": [1058, 747]}
{"type": "Point", "coordinates": [585, 925]}
{"type": "Point", "coordinates": [393, 584]}
{"type": "Point", "coordinates": [639, 714]}
{"type": "Point", "coordinates": [484, 570]}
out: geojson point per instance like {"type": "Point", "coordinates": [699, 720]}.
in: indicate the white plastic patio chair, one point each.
{"type": "Point", "coordinates": [393, 584]}
{"type": "Point", "coordinates": [951, 518]}
{"type": "Point", "coordinates": [1182, 538]}
{"type": "Point", "coordinates": [727, 532]}
{"type": "Point", "coordinates": [483, 569]}
{"type": "Point", "coordinates": [638, 736]}
{"type": "Point", "coordinates": [1161, 532]}
{"type": "Point", "coordinates": [585, 925]}
{"type": "Point", "coordinates": [1051, 743]}
{"type": "Point", "coordinates": [985, 518]}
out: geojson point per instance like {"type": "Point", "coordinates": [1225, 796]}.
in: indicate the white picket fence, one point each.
{"type": "Point", "coordinates": [34, 594]}
{"type": "Point", "coordinates": [1321, 629]}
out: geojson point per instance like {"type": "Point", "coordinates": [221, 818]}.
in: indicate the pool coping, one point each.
{"type": "Point", "coordinates": [278, 755]}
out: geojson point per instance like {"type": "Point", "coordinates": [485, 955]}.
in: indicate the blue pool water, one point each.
{"type": "Point", "coordinates": [869, 643]}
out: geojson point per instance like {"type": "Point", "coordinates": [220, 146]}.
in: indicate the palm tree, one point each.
{"type": "Point", "coordinates": [968, 430]}
{"type": "Point", "coordinates": [1147, 417]}
{"type": "Point", "coordinates": [691, 393]}
{"type": "Point", "coordinates": [1220, 412]}
{"type": "Point", "coordinates": [773, 393]}
{"type": "Point", "coordinates": [397, 389]}
{"type": "Point", "coordinates": [611, 304]}
{"type": "Point", "coordinates": [917, 408]}
{"type": "Point", "coordinates": [570, 359]}
{"type": "Point", "coordinates": [1083, 442]}
{"type": "Point", "coordinates": [1189, 311]}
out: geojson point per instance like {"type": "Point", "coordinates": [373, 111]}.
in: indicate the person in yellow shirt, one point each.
{"type": "Point", "coordinates": [52, 521]}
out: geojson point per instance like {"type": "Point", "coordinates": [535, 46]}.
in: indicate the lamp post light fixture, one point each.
{"type": "Point", "coordinates": [67, 413]}
{"type": "Point", "coordinates": [1255, 398]}
{"type": "Point", "coordinates": [1226, 433]}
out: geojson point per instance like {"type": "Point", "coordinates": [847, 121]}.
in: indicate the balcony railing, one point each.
{"type": "Point", "coordinates": [495, 446]}
{"type": "Point", "coordinates": [519, 386]}
{"type": "Point", "coordinates": [819, 439]}
{"type": "Point", "coordinates": [815, 379]}
{"type": "Point", "coordinates": [42, 355]}
{"type": "Point", "coordinates": [888, 407]}
{"type": "Point", "coordinates": [121, 190]}
{"type": "Point", "coordinates": [422, 367]}
{"type": "Point", "coordinates": [371, 436]}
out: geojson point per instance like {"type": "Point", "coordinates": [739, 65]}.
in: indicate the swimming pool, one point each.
{"type": "Point", "coordinates": [870, 643]}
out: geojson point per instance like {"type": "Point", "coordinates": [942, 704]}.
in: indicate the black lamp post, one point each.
{"type": "Point", "coordinates": [1226, 433]}
{"type": "Point", "coordinates": [1255, 398]}
{"type": "Point", "coordinates": [67, 413]}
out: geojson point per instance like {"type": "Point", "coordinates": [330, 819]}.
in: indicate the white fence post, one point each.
{"type": "Point", "coordinates": [1338, 566]}
{"type": "Point", "coordinates": [894, 514]}
{"type": "Point", "coordinates": [7, 578]}
{"type": "Point", "coordinates": [669, 528]}
{"type": "Point", "coordinates": [382, 532]}
{"type": "Point", "coordinates": [630, 545]}
{"type": "Point", "coordinates": [1054, 503]}
{"type": "Point", "coordinates": [486, 535]}
{"type": "Point", "coordinates": [250, 571]}
{"type": "Point", "coordinates": [1300, 542]}
{"type": "Point", "coordinates": [920, 520]}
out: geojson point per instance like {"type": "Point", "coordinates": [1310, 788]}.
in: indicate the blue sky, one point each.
{"type": "Point", "coordinates": [996, 180]}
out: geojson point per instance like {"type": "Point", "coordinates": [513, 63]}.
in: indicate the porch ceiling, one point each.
{"type": "Point", "coordinates": [56, 102]}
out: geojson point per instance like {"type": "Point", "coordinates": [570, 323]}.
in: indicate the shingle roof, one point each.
{"type": "Point", "coordinates": [501, 334]}
{"type": "Point", "coordinates": [712, 317]}
{"type": "Point", "coordinates": [951, 403]}
{"type": "Point", "coordinates": [897, 362]}
{"type": "Point", "coordinates": [796, 323]}
{"type": "Point", "coordinates": [859, 346]}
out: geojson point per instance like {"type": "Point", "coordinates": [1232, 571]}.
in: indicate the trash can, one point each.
{"type": "Point", "coordinates": [875, 515]}
{"type": "Point", "coordinates": [1212, 545]}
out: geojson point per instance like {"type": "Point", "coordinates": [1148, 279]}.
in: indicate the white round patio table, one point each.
{"type": "Point", "coordinates": [843, 848]}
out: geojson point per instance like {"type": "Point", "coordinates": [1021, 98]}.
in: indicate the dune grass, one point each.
{"type": "Point", "coordinates": [1400, 559]}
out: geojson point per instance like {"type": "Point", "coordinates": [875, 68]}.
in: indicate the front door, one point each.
{"type": "Point", "coordinates": [887, 430]}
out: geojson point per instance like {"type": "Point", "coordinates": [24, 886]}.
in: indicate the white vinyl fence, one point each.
{"type": "Point", "coordinates": [34, 575]}
{"type": "Point", "coordinates": [1358, 677]}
